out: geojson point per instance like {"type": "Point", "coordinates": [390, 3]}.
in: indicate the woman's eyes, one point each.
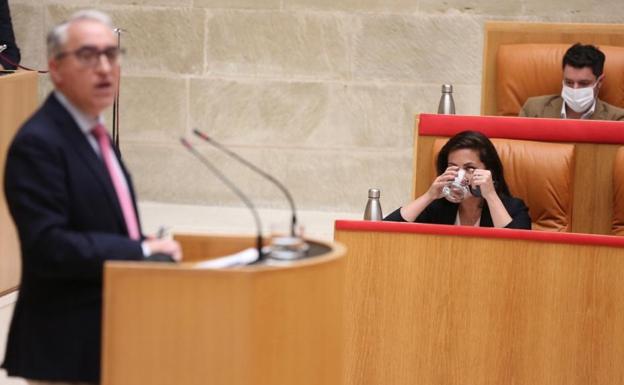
{"type": "Point", "coordinates": [468, 169]}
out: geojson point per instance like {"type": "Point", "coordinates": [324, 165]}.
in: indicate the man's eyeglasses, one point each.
{"type": "Point", "coordinates": [89, 56]}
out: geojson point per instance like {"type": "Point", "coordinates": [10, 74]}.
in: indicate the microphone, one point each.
{"type": "Point", "coordinates": [255, 168]}
{"type": "Point", "coordinates": [234, 189]}
{"type": "Point", "coordinates": [115, 130]}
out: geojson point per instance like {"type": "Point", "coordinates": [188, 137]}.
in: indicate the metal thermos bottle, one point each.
{"type": "Point", "coordinates": [373, 207]}
{"type": "Point", "coordinates": [447, 105]}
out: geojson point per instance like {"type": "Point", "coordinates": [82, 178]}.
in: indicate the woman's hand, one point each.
{"type": "Point", "coordinates": [483, 180]}
{"type": "Point", "coordinates": [412, 210]}
{"type": "Point", "coordinates": [498, 212]}
{"type": "Point", "coordinates": [435, 190]}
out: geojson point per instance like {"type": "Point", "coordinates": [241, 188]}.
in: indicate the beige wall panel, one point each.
{"type": "Point", "coordinates": [29, 27]}
{"type": "Point", "coordinates": [480, 7]}
{"type": "Point", "coordinates": [44, 3]}
{"type": "Point", "coordinates": [574, 9]}
{"type": "Point", "coordinates": [278, 44]}
{"type": "Point", "coordinates": [312, 114]}
{"type": "Point", "coordinates": [353, 5]}
{"type": "Point", "coordinates": [239, 4]}
{"type": "Point", "coordinates": [317, 179]}
{"type": "Point", "coordinates": [558, 8]}
{"type": "Point", "coordinates": [158, 40]}
{"type": "Point", "coordinates": [369, 116]}
{"type": "Point", "coordinates": [151, 3]}
{"type": "Point", "coordinates": [467, 99]}
{"type": "Point", "coordinates": [45, 86]}
{"type": "Point", "coordinates": [258, 113]}
{"type": "Point", "coordinates": [153, 108]}
{"type": "Point", "coordinates": [419, 49]}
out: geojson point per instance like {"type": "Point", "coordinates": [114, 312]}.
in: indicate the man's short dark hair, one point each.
{"type": "Point", "coordinates": [580, 56]}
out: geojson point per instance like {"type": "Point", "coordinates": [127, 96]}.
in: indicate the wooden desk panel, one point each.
{"type": "Point", "coordinates": [18, 99]}
{"type": "Point", "coordinates": [445, 309]}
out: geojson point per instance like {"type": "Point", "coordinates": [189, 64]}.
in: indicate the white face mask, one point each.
{"type": "Point", "coordinates": [578, 99]}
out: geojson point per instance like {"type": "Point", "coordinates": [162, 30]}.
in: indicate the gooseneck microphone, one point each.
{"type": "Point", "coordinates": [255, 168]}
{"type": "Point", "coordinates": [115, 129]}
{"type": "Point", "coordinates": [234, 189]}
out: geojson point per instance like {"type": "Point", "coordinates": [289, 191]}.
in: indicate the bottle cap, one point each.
{"type": "Point", "coordinates": [373, 193]}
{"type": "Point", "coordinates": [447, 88]}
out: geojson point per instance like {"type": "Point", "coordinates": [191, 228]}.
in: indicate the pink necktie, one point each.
{"type": "Point", "coordinates": [123, 195]}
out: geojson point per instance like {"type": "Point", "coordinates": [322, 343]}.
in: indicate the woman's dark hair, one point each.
{"type": "Point", "coordinates": [487, 154]}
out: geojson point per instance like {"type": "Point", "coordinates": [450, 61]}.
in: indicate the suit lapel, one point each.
{"type": "Point", "coordinates": [601, 111]}
{"type": "Point", "coordinates": [78, 143]}
{"type": "Point", "coordinates": [554, 108]}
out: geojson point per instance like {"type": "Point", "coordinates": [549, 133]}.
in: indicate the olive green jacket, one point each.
{"type": "Point", "coordinates": [549, 106]}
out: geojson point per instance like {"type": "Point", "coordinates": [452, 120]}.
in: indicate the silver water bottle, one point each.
{"type": "Point", "coordinates": [447, 104]}
{"type": "Point", "coordinates": [373, 207]}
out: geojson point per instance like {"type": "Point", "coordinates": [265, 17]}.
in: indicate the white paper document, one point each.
{"type": "Point", "coordinates": [241, 258]}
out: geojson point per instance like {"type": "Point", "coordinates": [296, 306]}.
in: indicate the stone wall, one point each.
{"type": "Point", "coordinates": [321, 93]}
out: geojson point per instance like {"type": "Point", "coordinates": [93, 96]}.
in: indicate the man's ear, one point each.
{"type": "Point", "coordinates": [55, 76]}
{"type": "Point", "coordinates": [599, 81]}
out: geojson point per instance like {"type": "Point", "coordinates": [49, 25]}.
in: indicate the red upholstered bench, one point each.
{"type": "Point", "coordinates": [581, 201]}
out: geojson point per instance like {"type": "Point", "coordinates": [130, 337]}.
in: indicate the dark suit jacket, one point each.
{"type": "Point", "coordinates": [7, 37]}
{"type": "Point", "coordinates": [443, 212]}
{"type": "Point", "coordinates": [69, 222]}
{"type": "Point", "coordinates": [549, 106]}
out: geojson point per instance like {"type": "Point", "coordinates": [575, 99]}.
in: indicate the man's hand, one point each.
{"type": "Point", "coordinates": [165, 246]}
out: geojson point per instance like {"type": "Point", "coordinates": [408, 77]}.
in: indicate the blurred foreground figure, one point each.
{"type": "Point", "coordinates": [73, 204]}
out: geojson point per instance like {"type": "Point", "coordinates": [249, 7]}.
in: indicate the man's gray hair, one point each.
{"type": "Point", "coordinates": [57, 37]}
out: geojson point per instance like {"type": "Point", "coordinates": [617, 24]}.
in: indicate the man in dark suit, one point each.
{"type": "Point", "coordinates": [73, 204]}
{"type": "Point", "coordinates": [582, 78]}
{"type": "Point", "coordinates": [12, 52]}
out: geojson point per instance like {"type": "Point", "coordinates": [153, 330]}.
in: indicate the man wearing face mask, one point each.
{"type": "Point", "coordinates": [582, 78]}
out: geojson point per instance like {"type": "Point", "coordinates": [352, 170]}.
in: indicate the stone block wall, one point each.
{"type": "Point", "coordinates": [321, 93]}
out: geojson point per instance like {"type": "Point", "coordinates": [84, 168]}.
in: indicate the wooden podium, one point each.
{"type": "Point", "coordinates": [18, 99]}
{"type": "Point", "coordinates": [254, 325]}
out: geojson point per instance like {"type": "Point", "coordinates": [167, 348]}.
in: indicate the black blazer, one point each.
{"type": "Point", "coordinates": [69, 222]}
{"type": "Point", "coordinates": [443, 212]}
{"type": "Point", "coordinates": [7, 37]}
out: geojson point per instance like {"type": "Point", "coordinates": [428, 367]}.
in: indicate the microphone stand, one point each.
{"type": "Point", "coordinates": [255, 168]}
{"type": "Point", "coordinates": [115, 132]}
{"type": "Point", "coordinates": [234, 189]}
